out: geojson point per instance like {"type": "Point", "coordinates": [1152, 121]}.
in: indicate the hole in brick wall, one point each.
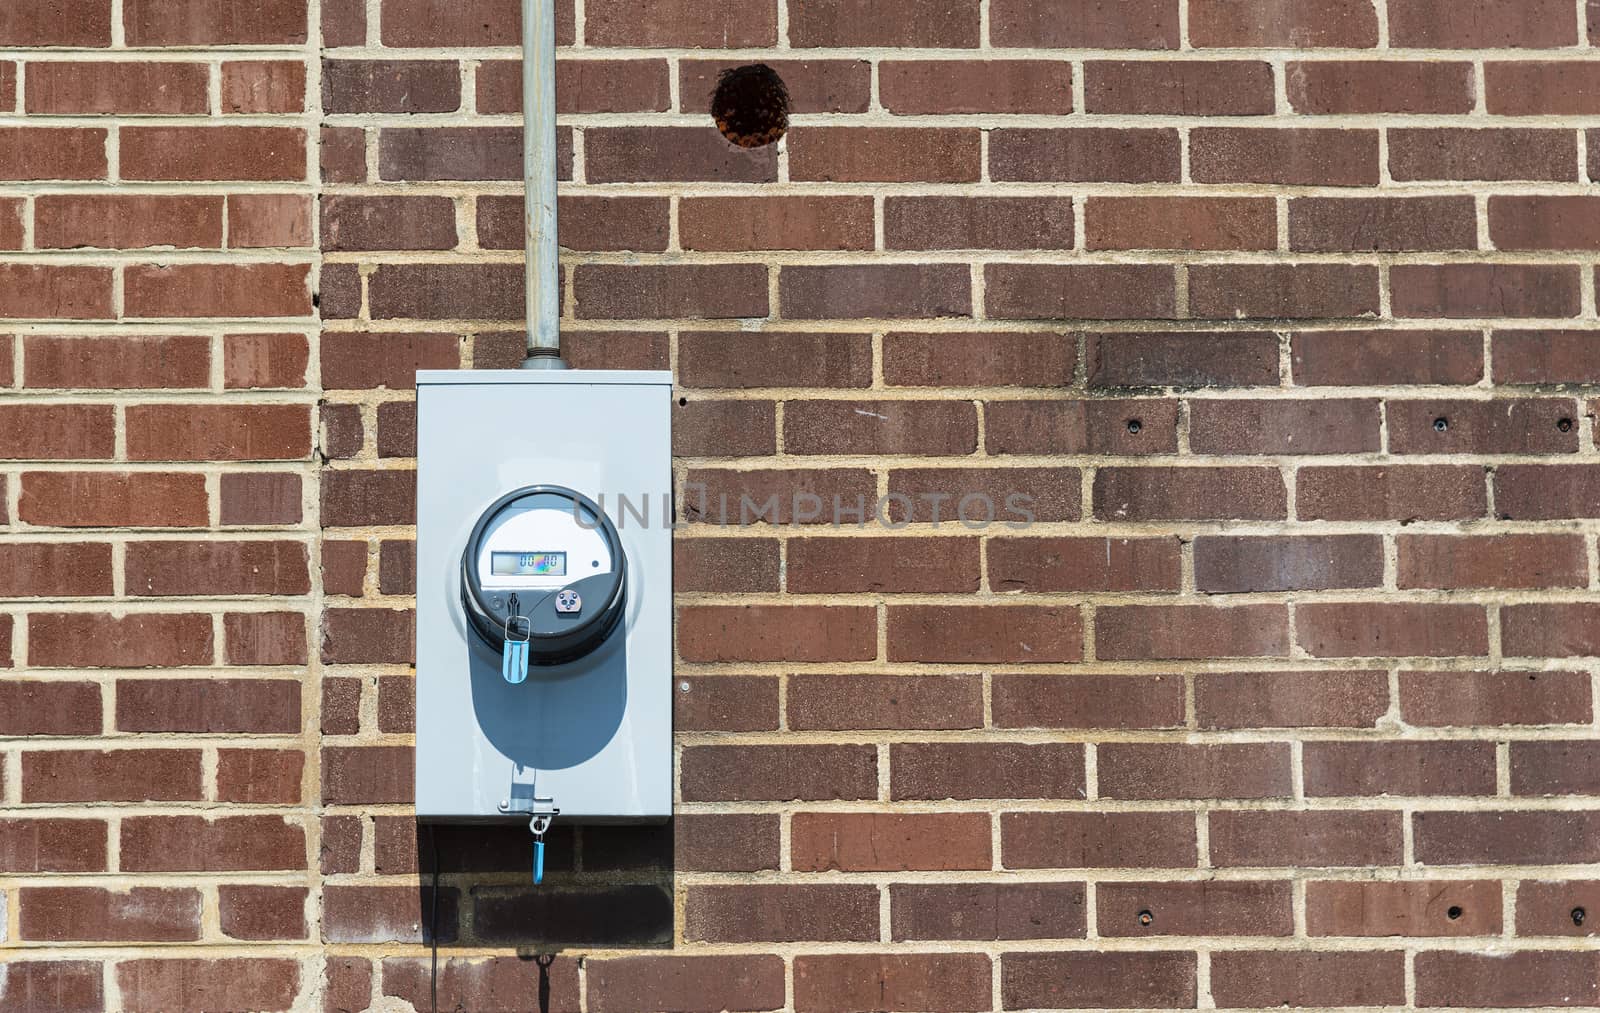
{"type": "Point", "coordinates": [1146, 918]}
{"type": "Point", "coordinates": [1441, 424]}
{"type": "Point", "coordinates": [682, 401]}
{"type": "Point", "coordinates": [1578, 915]}
{"type": "Point", "coordinates": [1565, 425]}
{"type": "Point", "coordinates": [751, 106]}
{"type": "Point", "coordinates": [1453, 913]}
{"type": "Point", "coordinates": [1135, 426]}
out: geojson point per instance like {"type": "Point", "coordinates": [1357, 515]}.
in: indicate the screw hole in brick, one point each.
{"type": "Point", "coordinates": [1146, 918]}
{"type": "Point", "coordinates": [1441, 424]}
{"type": "Point", "coordinates": [1565, 425]}
{"type": "Point", "coordinates": [1578, 915]}
{"type": "Point", "coordinates": [1135, 426]}
{"type": "Point", "coordinates": [682, 401]}
{"type": "Point", "coordinates": [1453, 914]}
{"type": "Point", "coordinates": [751, 106]}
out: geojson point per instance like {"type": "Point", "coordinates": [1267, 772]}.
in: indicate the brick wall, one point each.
{"type": "Point", "coordinates": [1282, 312]}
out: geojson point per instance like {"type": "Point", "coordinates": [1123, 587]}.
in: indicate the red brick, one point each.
{"type": "Point", "coordinates": [122, 775]}
{"type": "Point", "coordinates": [814, 86]}
{"type": "Point", "coordinates": [708, 842]}
{"type": "Point", "coordinates": [1401, 492]}
{"type": "Point", "coordinates": [263, 361]}
{"type": "Point", "coordinates": [339, 289]}
{"type": "Point", "coordinates": [260, 221]}
{"type": "Point", "coordinates": [1161, 493]}
{"type": "Point", "coordinates": [1407, 908]}
{"type": "Point", "coordinates": [1130, 770]}
{"type": "Point", "coordinates": [920, 428]}
{"type": "Point", "coordinates": [1485, 290]}
{"type": "Point", "coordinates": [460, 153]}
{"type": "Point", "coordinates": [682, 24]}
{"type": "Point", "coordinates": [1546, 357]}
{"type": "Point", "coordinates": [1482, 24]}
{"type": "Point", "coordinates": [1334, 87]}
{"type": "Point", "coordinates": [262, 912]}
{"type": "Point", "coordinates": [1232, 565]}
{"type": "Point", "coordinates": [341, 706]}
{"type": "Point", "coordinates": [52, 153]}
{"type": "Point", "coordinates": [74, 88]}
{"type": "Point", "coordinates": [344, 23]}
{"type": "Point", "coordinates": [49, 707]}
{"type": "Point", "coordinates": [1391, 629]}
{"type": "Point", "coordinates": [493, 984]}
{"type": "Point", "coordinates": [1039, 87]}
{"type": "Point", "coordinates": [728, 359]}
{"type": "Point", "coordinates": [840, 702]}
{"type": "Point", "coordinates": [1182, 359]}
{"type": "Point", "coordinates": [394, 86]}
{"type": "Point", "coordinates": [52, 845]}
{"type": "Point", "coordinates": [341, 844]}
{"type": "Point", "coordinates": [1543, 492]}
{"type": "Point", "coordinates": [89, 640]}
{"type": "Point", "coordinates": [777, 633]}
{"type": "Point", "coordinates": [1324, 699]}
{"type": "Point", "coordinates": [1460, 699]}
{"type": "Point", "coordinates": [203, 153]}
{"type": "Point", "coordinates": [982, 359]}
{"type": "Point", "coordinates": [725, 564]}
{"type": "Point", "coordinates": [1098, 840]}
{"type": "Point", "coordinates": [1222, 908]}
{"type": "Point", "coordinates": [1083, 564]}
{"type": "Point", "coordinates": [670, 154]}
{"type": "Point", "coordinates": [1423, 153]}
{"type": "Point", "coordinates": [1178, 87]}
{"type": "Point", "coordinates": [587, 223]}
{"type": "Point", "coordinates": [104, 499]}
{"type": "Point", "coordinates": [1088, 701]}
{"type": "Point", "coordinates": [263, 86]}
{"type": "Point", "coordinates": [51, 292]}
{"type": "Point", "coordinates": [1303, 157]}
{"type": "Point", "coordinates": [1384, 224]}
{"type": "Point", "coordinates": [363, 360]}
{"type": "Point", "coordinates": [128, 361]}
{"type": "Point", "coordinates": [885, 842]}
{"type": "Point", "coordinates": [361, 498]}
{"type": "Point", "coordinates": [969, 770]}
{"type": "Point", "coordinates": [1549, 908]}
{"type": "Point", "coordinates": [218, 290]}
{"type": "Point", "coordinates": [1550, 630]}
{"type": "Point", "coordinates": [1299, 24]}
{"type": "Point", "coordinates": [217, 568]}
{"type": "Point", "coordinates": [1497, 561]}
{"type": "Point", "coordinates": [845, 565]}
{"type": "Point", "coordinates": [343, 155]}
{"type": "Point", "coordinates": [360, 775]}
{"type": "Point", "coordinates": [237, 983]}
{"type": "Point", "coordinates": [141, 914]}
{"type": "Point", "coordinates": [1304, 839]}
{"type": "Point", "coordinates": [985, 634]}
{"type": "Point", "coordinates": [56, 432]}
{"type": "Point", "coordinates": [876, 291]}
{"type": "Point", "coordinates": [938, 24]}
{"type": "Point", "coordinates": [628, 983]}
{"type": "Point", "coordinates": [774, 912]}
{"type": "Point", "coordinates": [582, 86]}
{"type": "Point", "coordinates": [709, 291]}
{"type": "Point", "coordinates": [1260, 979]}
{"type": "Point", "coordinates": [726, 429]}
{"type": "Point", "coordinates": [1084, 979]}
{"type": "Point", "coordinates": [1083, 24]}
{"type": "Point", "coordinates": [1283, 291]}
{"type": "Point", "coordinates": [1399, 768]}
{"type": "Point", "coordinates": [899, 981]}
{"type": "Point", "coordinates": [431, 23]}
{"type": "Point", "coordinates": [802, 496]}
{"type": "Point", "coordinates": [1519, 979]}
{"type": "Point", "coordinates": [1165, 632]}
{"type": "Point", "coordinates": [71, 570]}
{"type": "Point", "coordinates": [1080, 292]}
{"type": "Point", "coordinates": [61, 986]}
{"type": "Point", "coordinates": [218, 432]}
{"type": "Point", "coordinates": [724, 703]}
{"type": "Point", "coordinates": [1542, 88]}
{"type": "Point", "coordinates": [983, 911]}
{"type": "Point", "coordinates": [1378, 358]}
{"type": "Point", "coordinates": [1084, 155]}
{"type": "Point", "coordinates": [1519, 426]}
{"type": "Point", "coordinates": [778, 773]}
{"type": "Point", "coordinates": [198, 23]}
{"type": "Point", "coordinates": [983, 496]}
{"type": "Point", "coordinates": [1544, 223]}
{"type": "Point", "coordinates": [260, 498]}
{"type": "Point", "coordinates": [11, 221]}
{"type": "Point", "coordinates": [884, 154]}
{"type": "Point", "coordinates": [1102, 426]}
{"type": "Point", "coordinates": [1276, 426]}
{"type": "Point", "coordinates": [1555, 768]}
{"type": "Point", "coordinates": [197, 844]}
{"type": "Point", "coordinates": [84, 23]}
{"type": "Point", "coordinates": [1507, 838]}
{"type": "Point", "coordinates": [249, 706]}
{"type": "Point", "coordinates": [388, 223]}
{"type": "Point", "coordinates": [368, 636]}
{"type": "Point", "coordinates": [1181, 223]}
{"type": "Point", "coordinates": [260, 776]}
{"type": "Point", "coordinates": [978, 223]}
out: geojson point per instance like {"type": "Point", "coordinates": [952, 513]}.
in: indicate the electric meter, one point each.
{"type": "Point", "coordinates": [544, 566]}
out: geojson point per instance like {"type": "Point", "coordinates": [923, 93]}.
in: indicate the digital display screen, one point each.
{"type": "Point", "coordinates": [528, 564]}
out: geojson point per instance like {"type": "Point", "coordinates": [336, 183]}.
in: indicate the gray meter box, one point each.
{"type": "Point", "coordinates": [544, 595]}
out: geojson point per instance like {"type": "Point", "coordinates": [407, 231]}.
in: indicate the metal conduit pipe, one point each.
{"type": "Point", "coordinates": [541, 271]}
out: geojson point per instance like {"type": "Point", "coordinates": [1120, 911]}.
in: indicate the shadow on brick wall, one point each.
{"type": "Point", "coordinates": [604, 887]}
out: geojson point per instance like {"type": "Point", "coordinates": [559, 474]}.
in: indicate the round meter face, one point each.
{"type": "Point", "coordinates": [544, 564]}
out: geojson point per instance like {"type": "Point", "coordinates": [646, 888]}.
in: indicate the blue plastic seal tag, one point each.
{"type": "Point", "coordinates": [538, 862]}
{"type": "Point", "coordinates": [514, 661]}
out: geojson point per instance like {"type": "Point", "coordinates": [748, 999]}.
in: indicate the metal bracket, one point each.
{"type": "Point", "coordinates": [536, 807]}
